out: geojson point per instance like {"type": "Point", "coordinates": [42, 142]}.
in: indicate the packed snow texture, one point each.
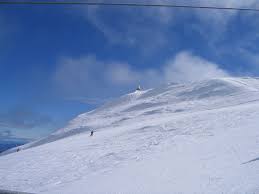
{"type": "Point", "coordinates": [200, 137]}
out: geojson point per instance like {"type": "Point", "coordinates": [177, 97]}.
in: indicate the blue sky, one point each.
{"type": "Point", "coordinates": [59, 61]}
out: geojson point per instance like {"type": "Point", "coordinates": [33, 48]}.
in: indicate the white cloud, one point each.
{"type": "Point", "coordinates": [88, 77]}
{"type": "Point", "coordinates": [151, 29]}
{"type": "Point", "coordinates": [214, 23]}
{"type": "Point", "coordinates": [134, 28]}
{"type": "Point", "coordinates": [252, 62]}
{"type": "Point", "coordinates": [183, 67]}
{"type": "Point", "coordinates": [122, 74]}
{"type": "Point", "coordinates": [79, 76]}
{"type": "Point", "coordinates": [75, 74]}
{"type": "Point", "coordinates": [187, 67]}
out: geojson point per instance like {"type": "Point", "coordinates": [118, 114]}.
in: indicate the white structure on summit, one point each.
{"type": "Point", "coordinates": [138, 88]}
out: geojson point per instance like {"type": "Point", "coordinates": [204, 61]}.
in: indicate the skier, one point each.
{"type": "Point", "coordinates": [18, 149]}
{"type": "Point", "coordinates": [92, 133]}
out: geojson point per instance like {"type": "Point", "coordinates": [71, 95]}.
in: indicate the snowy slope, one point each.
{"type": "Point", "coordinates": [200, 137]}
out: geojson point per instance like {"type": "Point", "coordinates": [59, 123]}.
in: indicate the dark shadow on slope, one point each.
{"type": "Point", "coordinates": [12, 192]}
{"type": "Point", "coordinates": [253, 160]}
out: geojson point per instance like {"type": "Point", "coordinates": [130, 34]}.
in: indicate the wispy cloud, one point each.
{"type": "Point", "coordinates": [252, 59]}
{"type": "Point", "coordinates": [134, 27]}
{"type": "Point", "coordinates": [150, 29]}
{"type": "Point", "coordinates": [89, 78]}
{"type": "Point", "coordinates": [214, 24]}
{"type": "Point", "coordinates": [187, 67]}
{"type": "Point", "coordinates": [183, 67]}
{"type": "Point", "coordinates": [79, 75]}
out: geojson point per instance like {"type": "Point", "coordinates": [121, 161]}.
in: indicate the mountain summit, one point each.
{"type": "Point", "coordinates": [199, 137]}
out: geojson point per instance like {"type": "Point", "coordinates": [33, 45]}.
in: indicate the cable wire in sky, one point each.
{"type": "Point", "coordinates": [91, 3]}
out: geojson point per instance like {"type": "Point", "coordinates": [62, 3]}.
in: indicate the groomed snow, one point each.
{"type": "Point", "coordinates": [200, 137]}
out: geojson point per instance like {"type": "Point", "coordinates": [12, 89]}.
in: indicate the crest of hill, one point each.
{"type": "Point", "coordinates": [171, 98]}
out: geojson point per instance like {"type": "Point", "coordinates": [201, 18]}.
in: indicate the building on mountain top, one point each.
{"type": "Point", "coordinates": [138, 88]}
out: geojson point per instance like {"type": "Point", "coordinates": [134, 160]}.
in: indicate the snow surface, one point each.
{"type": "Point", "coordinates": [200, 137]}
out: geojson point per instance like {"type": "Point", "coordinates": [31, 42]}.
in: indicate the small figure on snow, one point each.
{"type": "Point", "coordinates": [18, 149]}
{"type": "Point", "coordinates": [92, 133]}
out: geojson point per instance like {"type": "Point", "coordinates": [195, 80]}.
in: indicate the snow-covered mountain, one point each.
{"type": "Point", "coordinates": [200, 137]}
